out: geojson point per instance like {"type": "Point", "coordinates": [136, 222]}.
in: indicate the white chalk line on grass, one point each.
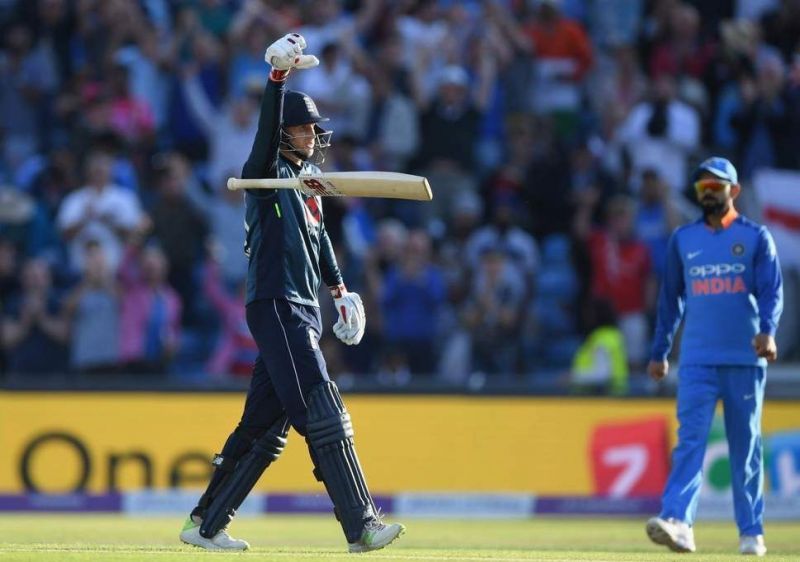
{"type": "Point", "coordinates": [382, 555]}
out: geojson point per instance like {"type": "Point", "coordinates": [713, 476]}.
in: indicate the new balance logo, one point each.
{"type": "Point", "coordinates": [692, 255]}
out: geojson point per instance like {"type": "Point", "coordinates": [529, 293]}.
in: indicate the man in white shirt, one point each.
{"type": "Point", "coordinates": [229, 129]}
{"type": "Point", "coordinates": [340, 93]}
{"type": "Point", "coordinates": [502, 233]}
{"type": "Point", "coordinates": [661, 134]}
{"type": "Point", "coordinates": [100, 211]}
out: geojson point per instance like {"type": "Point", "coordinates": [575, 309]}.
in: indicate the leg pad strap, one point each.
{"type": "Point", "coordinates": [244, 476]}
{"type": "Point", "coordinates": [330, 434]}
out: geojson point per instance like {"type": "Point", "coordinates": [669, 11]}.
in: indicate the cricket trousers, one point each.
{"type": "Point", "coordinates": [289, 364]}
{"type": "Point", "coordinates": [741, 389]}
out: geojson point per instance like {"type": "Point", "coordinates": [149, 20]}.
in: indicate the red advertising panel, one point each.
{"type": "Point", "coordinates": [630, 458]}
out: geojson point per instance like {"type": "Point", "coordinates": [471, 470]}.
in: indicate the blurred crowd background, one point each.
{"type": "Point", "coordinates": [558, 138]}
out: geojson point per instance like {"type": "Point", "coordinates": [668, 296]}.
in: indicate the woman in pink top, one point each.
{"type": "Point", "coordinates": [151, 312]}
{"type": "Point", "coordinates": [236, 351]}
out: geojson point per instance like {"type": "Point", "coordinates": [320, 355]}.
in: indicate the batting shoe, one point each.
{"type": "Point", "coordinates": [675, 535]}
{"type": "Point", "coordinates": [753, 545]}
{"type": "Point", "coordinates": [376, 535]}
{"type": "Point", "coordinates": [190, 534]}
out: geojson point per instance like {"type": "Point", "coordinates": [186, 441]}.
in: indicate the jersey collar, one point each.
{"type": "Point", "coordinates": [727, 220]}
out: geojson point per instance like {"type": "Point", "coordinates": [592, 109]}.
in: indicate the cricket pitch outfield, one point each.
{"type": "Point", "coordinates": [115, 538]}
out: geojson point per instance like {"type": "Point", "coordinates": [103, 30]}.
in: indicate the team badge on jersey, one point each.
{"type": "Point", "coordinates": [737, 249]}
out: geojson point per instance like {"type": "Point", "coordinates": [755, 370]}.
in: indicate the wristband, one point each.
{"type": "Point", "coordinates": [278, 75]}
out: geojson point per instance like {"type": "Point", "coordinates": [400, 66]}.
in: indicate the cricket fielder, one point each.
{"type": "Point", "coordinates": [289, 255]}
{"type": "Point", "coordinates": [723, 276]}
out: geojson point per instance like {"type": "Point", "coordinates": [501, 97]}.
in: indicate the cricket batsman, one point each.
{"type": "Point", "coordinates": [723, 277]}
{"type": "Point", "coordinates": [290, 254]}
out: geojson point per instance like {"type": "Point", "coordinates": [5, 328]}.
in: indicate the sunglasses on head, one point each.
{"type": "Point", "coordinates": [711, 184]}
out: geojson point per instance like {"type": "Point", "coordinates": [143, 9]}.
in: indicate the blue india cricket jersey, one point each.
{"type": "Point", "coordinates": [727, 286]}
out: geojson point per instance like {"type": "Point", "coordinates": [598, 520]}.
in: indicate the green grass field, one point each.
{"type": "Point", "coordinates": [111, 538]}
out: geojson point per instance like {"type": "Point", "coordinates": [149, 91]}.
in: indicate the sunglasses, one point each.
{"type": "Point", "coordinates": [716, 186]}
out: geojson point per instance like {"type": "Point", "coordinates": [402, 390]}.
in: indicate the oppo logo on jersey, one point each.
{"type": "Point", "coordinates": [718, 279]}
{"type": "Point", "coordinates": [716, 269]}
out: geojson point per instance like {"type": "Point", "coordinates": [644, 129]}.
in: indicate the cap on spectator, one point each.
{"type": "Point", "coordinates": [720, 167]}
{"type": "Point", "coordinates": [455, 75]}
{"type": "Point", "coordinates": [15, 207]}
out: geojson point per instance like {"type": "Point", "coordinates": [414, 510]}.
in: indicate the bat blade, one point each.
{"type": "Point", "coordinates": [392, 185]}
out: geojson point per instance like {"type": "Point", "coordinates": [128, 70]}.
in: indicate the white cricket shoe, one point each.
{"type": "Point", "coordinates": [376, 535]}
{"type": "Point", "coordinates": [675, 535]}
{"type": "Point", "coordinates": [190, 534]}
{"type": "Point", "coordinates": [752, 545]}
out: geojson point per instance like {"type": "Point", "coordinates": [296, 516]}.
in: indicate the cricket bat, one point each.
{"type": "Point", "coordinates": [392, 185]}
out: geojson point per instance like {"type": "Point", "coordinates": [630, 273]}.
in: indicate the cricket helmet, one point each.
{"type": "Point", "coordinates": [300, 109]}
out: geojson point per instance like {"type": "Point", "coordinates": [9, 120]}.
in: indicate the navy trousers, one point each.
{"type": "Point", "coordinates": [289, 364]}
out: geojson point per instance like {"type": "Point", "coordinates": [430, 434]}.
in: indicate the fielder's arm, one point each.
{"type": "Point", "coordinates": [769, 284]}
{"type": "Point", "coordinates": [671, 302]}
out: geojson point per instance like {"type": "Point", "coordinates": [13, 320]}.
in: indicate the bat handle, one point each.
{"type": "Point", "coordinates": [232, 184]}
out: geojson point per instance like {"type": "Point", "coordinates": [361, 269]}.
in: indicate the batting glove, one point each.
{"type": "Point", "coordinates": [352, 319]}
{"type": "Point", "coordinates": [287, 53]}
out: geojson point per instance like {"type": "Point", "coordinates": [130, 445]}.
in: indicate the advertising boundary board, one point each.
{"type": "Point", "coordinates": [109, 444]}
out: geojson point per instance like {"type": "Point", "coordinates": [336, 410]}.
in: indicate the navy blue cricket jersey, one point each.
{"type": "Point", "coordinates": [286, 242]}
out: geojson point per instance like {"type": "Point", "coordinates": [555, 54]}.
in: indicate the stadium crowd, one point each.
{"type": "Point", "coordinates": [558, 138]}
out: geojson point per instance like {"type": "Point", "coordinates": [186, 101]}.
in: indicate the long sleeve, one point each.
{"type": "Point", "coordinates": [203, 111]}
{"type": "Point", "coordinates": [263, 159]}
{"type": "Point", "coordinates": [671, 301]}
{"type": "Point", "coordinates": [329, 268]}
{"type": "Point", "coordinates": [769, 284]}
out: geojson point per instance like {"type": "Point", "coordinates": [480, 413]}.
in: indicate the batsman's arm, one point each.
{"type": "Point", "coordinates": [769, 284]}
{"type": "Point", "coordinates": [263, 159]}
{"type": "Point", "coordinates": [671, 300]}
{"type": "Point", "coordinates": [329, 268]}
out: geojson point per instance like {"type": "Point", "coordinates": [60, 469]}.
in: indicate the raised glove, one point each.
{"type": "Point", "coordinates": [352, 320]}
{"type": "Point", "coordinates": [287, 53]}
